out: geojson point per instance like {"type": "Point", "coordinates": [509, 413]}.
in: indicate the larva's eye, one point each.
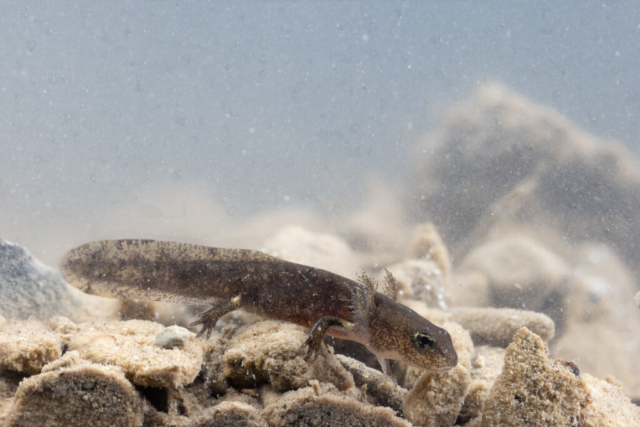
{"type": "Point", "coordinates": [423, 340]}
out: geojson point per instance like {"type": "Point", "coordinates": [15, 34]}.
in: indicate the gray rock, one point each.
{"type": "Point", "coordinates": [172, 336]}
{"type": "Point", "coordinates": [30, 288]}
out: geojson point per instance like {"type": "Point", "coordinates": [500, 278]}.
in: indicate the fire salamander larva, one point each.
{"type": "Point", "coordinates": [253, 281]}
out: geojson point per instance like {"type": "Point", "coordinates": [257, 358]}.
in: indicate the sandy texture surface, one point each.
{"type": "Point", "coordinates": [496, 326]}
{"type": "Point", "coordinates": [532, 390]}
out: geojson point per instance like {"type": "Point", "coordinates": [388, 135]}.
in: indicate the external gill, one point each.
{"type": "Point", "coordinates": [390, 285]}
{"type": "Point", "coordinates": [364, 297]}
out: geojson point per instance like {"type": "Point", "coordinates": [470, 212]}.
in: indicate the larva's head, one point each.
{"type": "Point", "coordinates": [399, 333]}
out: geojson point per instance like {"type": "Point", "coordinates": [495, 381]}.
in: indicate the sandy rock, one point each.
{"type": "Point", "coordinates": [271, 352]}
{"type": "Point", "coordinates": [461, 342]}
{"type": "Point", "coordinates": [599, 287]}
{"type": "Point", "coordinates": [64, 329]}
{"type": "Point", "coordinates": [471, 410]}
{"type": "Point", "coordinates": [29, 288]}
{"type": "Point", "coordinates": [520, 271]}
{"type": "Point", "coordinates": [268, 395]}
{"type": "Point", "coordinates": [84, 394]}
{"type": "Point", "coordinates": [131, 346]}
{"type": "Point", "coordinates": [231, 414]}
{"type": "Point", "coordinates": [422, 280]}
{"type": "Point", "coordinates": [63, 325]}
{"type": "Point", "coordinates": [496, 326]}
{"type": "Point", "coordinates": [497, 141]}
{"type": "Point", "coordinates": [602, 351]}
{"type": "Point", "coordinates": [533, 391]}
{"type": "Point", "coordinates": [193, 405]}
{"type": "Point", "coordinates": [323, 405]}
{"type": "Point", "coordinates": [486, 365]}
{"type": "Point", "coordinates": [609, 405]}
{"type": "Point", "coordinates": [26, 346]}
{"type": "Point", "coordinates": [355, 351]}
{"type": "Point", "coordinates": [436, 399]}
{"type": "Point", "coordinates": [213, 364]}
{"type": "Point", "coordinates": [637, 299]}
{"type": "Point", "coordinates": [225, 414]}
{"type": "Point", "coordinates": [295, 244]}
{"type": "Point", "coordinates": [597, 303]}
{"type": "Point", "coordinates": [427, 244]}
{"type": "Point", "coordinates": [486, 146]}
{"type": "Point", "coordinates": [520, 171]}
{"type": "Point", "coordinates": [172, 336]}
{"type": "Point", "coordinates": [380, 389]}
{"type": "Point", "coordinates": [68, 360]}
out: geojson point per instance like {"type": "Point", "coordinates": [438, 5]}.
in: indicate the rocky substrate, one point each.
{"type": "Point", "coordinates": [254, 373]}
{"type": "Point", "coordinates": [134, 373]}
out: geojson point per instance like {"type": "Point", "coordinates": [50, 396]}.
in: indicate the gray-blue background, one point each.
{"type": "Point", "coordinates": [255, 101]}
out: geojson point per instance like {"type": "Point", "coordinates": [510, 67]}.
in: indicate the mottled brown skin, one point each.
{"type": "Point", "coordinates": [256, 282]}
{"type": "Point", "coordinates": [390, 315]}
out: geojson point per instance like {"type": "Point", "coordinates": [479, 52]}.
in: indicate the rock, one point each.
{"type": "Point", "coordinates": [225, 414]}
{"type": "Point", "coordinates": [520, 271]}
{"type": "Point", "coordinates": [323, 405]}
{"type": "Point", "coordinates": [213, 364]}
{"type": "Point", "coordinates": [172, 336]}
{"type": "Point", "coordinates": [422, 280]}
{"type": "Point", "coordinates": [26, 346]}
{"type": "Point", "coordinates": [496, 326]}
{"type": "Point", "coordinates": [436, 399]}
{"type": "Point", "coordinates": [231, 414]}
{"type": "Point", "coordinates": [486, 366]}
{"type": "Point", "coordinates": [29, 288]}
{"type": "Point", "coordinates": [597, 304]}
{"type": "Point", "coordinates": [609, 405]}
{"type": "Point", "coordinates": [131, 345]}
{"type": "Point", "coordinates": [428, 245]}
{"type": "Point", "coordinates": [532, 390]}
{"type": "Point", "coordinates": [83, 394]}
{"type": "Point", "coordinates": [271, 352]}
{"type": "Point", "coordinates": [602, 351]}
{"type": "Point", "coordinates": [379, 387]}
{"type": "Point", "coordinates": [501, 160]}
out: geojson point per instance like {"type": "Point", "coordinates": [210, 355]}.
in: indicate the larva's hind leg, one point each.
{"type": "Point", "coordinates": [209, 318]}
